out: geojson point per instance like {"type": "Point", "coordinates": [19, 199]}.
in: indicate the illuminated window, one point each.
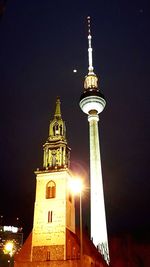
{"type": "Point", "coordinates": [56, 129]}
{"type": "Point", "coordinates": [50, 216]}
{"type": "Point", "coordinates": [51, 189]}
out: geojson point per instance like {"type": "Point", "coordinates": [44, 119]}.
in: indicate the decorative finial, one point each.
{"type": "Point", "coordinates": [90, 68]}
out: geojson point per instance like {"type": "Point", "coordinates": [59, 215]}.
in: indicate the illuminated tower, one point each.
{"type": "Point", "coordinates": [92, 102]}
{"type": "Point", "coordinates": [54, 209]}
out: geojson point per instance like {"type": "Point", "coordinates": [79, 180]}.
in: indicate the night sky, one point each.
{"type": "Point", "coordinates": [41, 42]}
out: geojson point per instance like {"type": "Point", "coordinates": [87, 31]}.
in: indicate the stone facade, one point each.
{"type": "Point", "coordinates": [68, 263]}
{"type": "Point", "coordinates": [46, 253]}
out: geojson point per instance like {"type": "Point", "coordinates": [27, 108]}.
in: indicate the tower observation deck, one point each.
{"type": "Point", "coordinates": [92, 102]}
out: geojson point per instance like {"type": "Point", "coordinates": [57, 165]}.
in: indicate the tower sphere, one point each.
{"type": "Point", "coordinates": [92, 100]}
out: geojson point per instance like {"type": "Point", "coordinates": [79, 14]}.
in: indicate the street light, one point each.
{"type": "Point", "coordinates": [76, 187]}
{"type": "Point", "coordinates": [9, 249]}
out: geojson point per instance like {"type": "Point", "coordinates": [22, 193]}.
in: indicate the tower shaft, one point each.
{"type": "Point", "coordinates": [98, 217]}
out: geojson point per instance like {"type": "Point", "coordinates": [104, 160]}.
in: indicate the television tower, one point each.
{"type": "Point", "coordinates": [92, 102]}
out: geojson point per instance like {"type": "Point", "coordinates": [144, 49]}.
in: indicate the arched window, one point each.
{"type": "Point", "coordinates": [51, 189]}
{"type": "Point", "coordinates": [56, 129]}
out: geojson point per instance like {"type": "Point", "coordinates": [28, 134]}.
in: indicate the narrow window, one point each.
{"type": "Point", "coordinates": [53, 130]}
{"type": "Point", "coordinates": [73, 252]}
{"type": "Point", "coordinates": [56, 129]}
{"type": "Point", "coordinates": [61, 132]}
{"type": "Point", "coordinates": [70, 197]}
{"type": "Point", "coordinates": [48, 255]}
{"type": "Point", "coordinates": [50, 216]}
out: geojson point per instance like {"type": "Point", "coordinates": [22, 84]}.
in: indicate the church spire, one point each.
{"type": "Point", "coordinates": [57, 129]}
{"type": "Point", "coordinates": [57, 110]}
{"type": "Point", "coordinates": [91, 79]}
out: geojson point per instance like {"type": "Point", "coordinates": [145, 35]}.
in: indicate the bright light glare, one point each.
{"type": "Point", "coordinates": [9, 246]}
{"type": "Point", "coordinates": [8, 249]}
{"type": "Point", "coordinates": [76, 185]}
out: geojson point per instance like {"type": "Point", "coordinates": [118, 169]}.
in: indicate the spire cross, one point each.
{"type": "Point", "coordinates": [90, 68]}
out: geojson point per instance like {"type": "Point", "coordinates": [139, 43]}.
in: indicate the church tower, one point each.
{"type": "Point", "coordinates": [56, 151]}
{"type": "Point", "coordinates": [54, 209]}
{"type": "Point", "coordinates": [92, 102]}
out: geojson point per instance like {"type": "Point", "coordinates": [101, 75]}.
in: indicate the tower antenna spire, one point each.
{"type": "Point", "coordinates": [90, 68]}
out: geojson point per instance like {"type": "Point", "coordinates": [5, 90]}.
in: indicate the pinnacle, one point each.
{"type": "Point", "coordinates": [57, 110]}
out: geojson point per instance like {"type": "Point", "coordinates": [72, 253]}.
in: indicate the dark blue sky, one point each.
{"type": "Point", "coordinates": [41, 42]}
